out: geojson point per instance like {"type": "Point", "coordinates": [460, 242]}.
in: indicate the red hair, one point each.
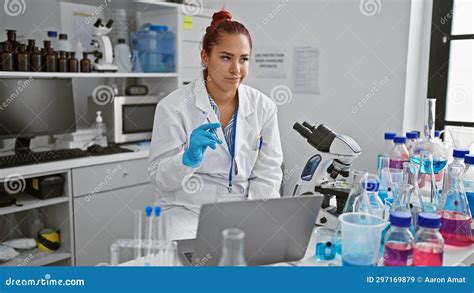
{"type": "Point", "coordinates": [221, 24]}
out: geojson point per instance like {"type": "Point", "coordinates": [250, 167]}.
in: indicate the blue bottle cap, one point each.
{"type": "Point", "coordinates": [161, 28]}
{"type": "Point", "coordinates": [460, 153]}
{"type": "Point", "coordinates": [429, 220]}
{"type": "Point", "coordinates": [399, 139]}
{"type": "Point", "coordinates": [157, 211]}
{"type": "Point", "coordinates": [412, 135]}
{"type": "Point", "coordinates": [371, 185]}
{"type": "Point", "coordinates": [437, 133]}
{"type": "Point", "coordinates": [389, 135]}
{"type": "Point", "coordinates": [52, 34]}
{"type": "Point", "coordinates": [469, 159]}
{"type": "Point", "coordinates": [400, 219]}
{"type": "Point", "coordinates": [148, 211]}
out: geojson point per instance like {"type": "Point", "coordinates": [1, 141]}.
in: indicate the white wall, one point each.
{"type": "Point", "coordinates": [363, 65]}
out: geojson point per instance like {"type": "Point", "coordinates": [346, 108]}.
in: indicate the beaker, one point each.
{"type": "Point", "coordinates": [361, 235]}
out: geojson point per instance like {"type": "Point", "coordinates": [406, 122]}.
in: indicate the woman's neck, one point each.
{"type": "Point", "coordinates": [223, 99]}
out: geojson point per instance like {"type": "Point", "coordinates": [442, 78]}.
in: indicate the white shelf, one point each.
{"type": "Point", "coordinates": [30, 202]}
{"type": "Point", "coordinates": [139, 5]}
{"type": "Point", "coordinates": [36, 257]}
{"type": "Point", "coordinates": [22, 74]}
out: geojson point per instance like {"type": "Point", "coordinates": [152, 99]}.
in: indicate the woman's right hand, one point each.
{"type": "Point", "coordinates": [201, 138]}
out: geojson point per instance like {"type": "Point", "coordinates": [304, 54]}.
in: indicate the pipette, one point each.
{"type": "Point", "coordinates": [219, 141]}
{"type": "Point", "coordinates": [149, 214]}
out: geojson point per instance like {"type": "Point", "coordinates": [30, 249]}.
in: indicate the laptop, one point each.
{"type": "Point", "coordinates": [276, 230]}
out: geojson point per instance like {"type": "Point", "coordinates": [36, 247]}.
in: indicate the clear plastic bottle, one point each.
{"type": "Point", "coordinates": [398, 248]}
{"type": "Point", "coordinates": [233, 248]}
{"type": "Point", "coordinates": [454, 209]}
{"type": "Point", "coordinates": [429, 243]}
{"type": "Point", "coordinates": [468, 179]}
{"type": "Point", "coordinates": [100, 130]}
{"type": "Point", "coordinates": [412, 137]}
{"type": "Point", "coordinates": [122, 56]}
{"type": "Point", "coordinates": [63, 44]}
{"type": "Point", "coordinates": [387, 145]}
{"type": "Point", "coordinates": [53, 37]}
{"type": "Point", "coordinates": [398, 155]}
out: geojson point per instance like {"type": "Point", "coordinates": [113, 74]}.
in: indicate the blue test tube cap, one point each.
{"type": "Point", "coordinates": [469, 159]}
{"type": "Point", "coordinates": [460, 153]}
{"type": "Point", "coordinates": [389, 135]}
{"type": "Point", "coordinates": [157, 211]}
{"type": "Point", "coordinates": [412, 135]}
{"type": "Point", "coordinates": [400, 219]}
{"type": "Point", "coordinates": [429, 220]}
{"type": "Point", "coordinates": [399, 139]}
{"type": "Point", "coordinates": [148, 211]}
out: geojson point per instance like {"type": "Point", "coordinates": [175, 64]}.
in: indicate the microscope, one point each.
{"type": "Point", "coordinates": [103, 50]}
{"type": "Point", "coordinates": [326, 171]}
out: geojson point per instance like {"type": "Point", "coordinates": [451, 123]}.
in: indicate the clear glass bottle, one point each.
{"type": "Point", "coordinates": [100, 130]}
{"type": "Point", "coordinates": [429, 243]}
{"type": "Point", "coordinates": [468, 179]}
{"type": "Point", "coordinates": [387, 145]}
{"type": "Point", "coordinates": [386, 183]}
{"type": "Point", "coordinates": [398, 155]}
{"type": "Point", "coordinates": [398, 247]}
{"type": "Point", "coordinates": [233, 248]}
{"type": "Point", "coordinates": [454, 209]}
{"type": "Point", "coordinates": [412, 138]}
{"type": "Point", "coordinates": [458, 157]}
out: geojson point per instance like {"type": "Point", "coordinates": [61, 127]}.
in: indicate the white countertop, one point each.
{"type": "Point", "coordinates": [140, 152]}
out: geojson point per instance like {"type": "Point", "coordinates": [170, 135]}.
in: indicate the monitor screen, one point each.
{"type": "Point", "coordinates": [33, 107]}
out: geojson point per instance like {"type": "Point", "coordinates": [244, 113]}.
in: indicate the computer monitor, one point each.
{"type": "Point", "coordinates": [33, 107]}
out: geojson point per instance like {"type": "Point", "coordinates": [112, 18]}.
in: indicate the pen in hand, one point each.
{"type": "Point", "coordinates": [214, 131]}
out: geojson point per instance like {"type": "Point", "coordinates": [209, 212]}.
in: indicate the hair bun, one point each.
{"type": "Point", "coordinates": [219, 17]}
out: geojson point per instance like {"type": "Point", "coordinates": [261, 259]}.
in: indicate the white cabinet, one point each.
{"type": "Point", "coordinates": [104, 218]}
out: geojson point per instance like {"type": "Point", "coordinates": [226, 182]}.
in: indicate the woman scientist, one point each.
{"type": "Point", "coordinates": [215, 139]}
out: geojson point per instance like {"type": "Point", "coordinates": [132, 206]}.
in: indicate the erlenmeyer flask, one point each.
{"type": "Point", "coordinates": [454, 210]}
{"type": "Point", "coordinates": [369, 202]}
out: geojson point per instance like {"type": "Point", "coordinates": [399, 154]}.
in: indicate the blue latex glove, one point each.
{"type": "Point", "coordinates": [201, 138]}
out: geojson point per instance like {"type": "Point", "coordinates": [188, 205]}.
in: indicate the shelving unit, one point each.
{"type": "Point", "coordinates": [30, 202]}
{"type": "Point", "coordinates": [17, 74]}
{"type": "Point", "coordinates": [36, 257]}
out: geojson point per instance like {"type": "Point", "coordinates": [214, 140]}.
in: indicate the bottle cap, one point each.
{"type": "Point", "coordinates": [157, 211]}
{"type": "Point", "coordinates": [412, 135]}
{"type": "Point", "coordinates": [52, 34]}
{"type": "Point", "coordinates": [429, 220]}
{"type": "Point", "coordinates": [389, 135]}
{"type": "Point", "coordinates": [158, 28]}
{"type": "Point", "coordinates": [121, 41]}
{"type": "Point", "coordinates": [400, 219]}
{"type": "Point", "coordinates": [63, 36]}
{"type": "Point", "coordinates": [399, 139]}
{"type": "Point", "coordinates": [148, 211]}
{"type": "Point", "coordinates": [437, 133]}
{"type": "Point", "coordinates": [469, 159]}
{"type": "Point", "coordinates": [460, 153]}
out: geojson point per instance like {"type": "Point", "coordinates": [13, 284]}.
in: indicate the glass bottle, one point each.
{"type": "Point", "coordinates": [7, 58]}
{"type": "Point", "coordinates": [36, 60]}
{"type": "Point", "coordinates": [429, 243]}
{"type": "Point", "coordinates": [85, 63]}
{"type": "Point", "coordinates": [454, 209]}
{"type": "Point", "coordinates": [369, 202]}
{"type": "Point", "coordinates": [62, 62]}
{"type": "Point", "coordinates": [233, 248]}
{"type": "Point", "coordinates": [72, 63]}
{"type": "Point", "coordinates": [412, 137]}
{"type": "Point", "coordinates": [468, 179]}
{"type": "Point", "coordinates": [51, 61]}
{"type": "Point", "coordinates": [398, 250]}
{"type": "Point", "coordinates": [22, 58]}
{"type": "Point", "coordinates": [398, 155]}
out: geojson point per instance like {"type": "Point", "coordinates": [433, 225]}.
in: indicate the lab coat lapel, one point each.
{"type": "Point", "coordinates": [244, 128]}
{"type": "Point", "coordinates": [203, 104]}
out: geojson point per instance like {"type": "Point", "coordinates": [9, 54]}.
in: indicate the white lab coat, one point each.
{"type": "Point", "coordinates": [185, 189]}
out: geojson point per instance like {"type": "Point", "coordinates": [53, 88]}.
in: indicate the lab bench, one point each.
{"type": "Point", "coordinates": [100, 194]}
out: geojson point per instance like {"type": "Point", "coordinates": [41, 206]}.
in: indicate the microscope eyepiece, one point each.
{"type": "Point", "coordinates": [109, 23]}
{"type": "Point", "coordinates": [301, 130]}
{"type": "Point", "coordinates": [98, 22]}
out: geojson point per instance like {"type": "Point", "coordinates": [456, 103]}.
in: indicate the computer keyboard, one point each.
{"type": "Point", "coordinates": [55, 155]}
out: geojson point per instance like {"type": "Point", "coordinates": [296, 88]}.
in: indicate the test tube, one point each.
{"type": "Point", "coordinates": [137, 214]}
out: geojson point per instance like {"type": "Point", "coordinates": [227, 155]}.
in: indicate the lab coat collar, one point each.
{"type": "Point", "coordinates": [202, 99]}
